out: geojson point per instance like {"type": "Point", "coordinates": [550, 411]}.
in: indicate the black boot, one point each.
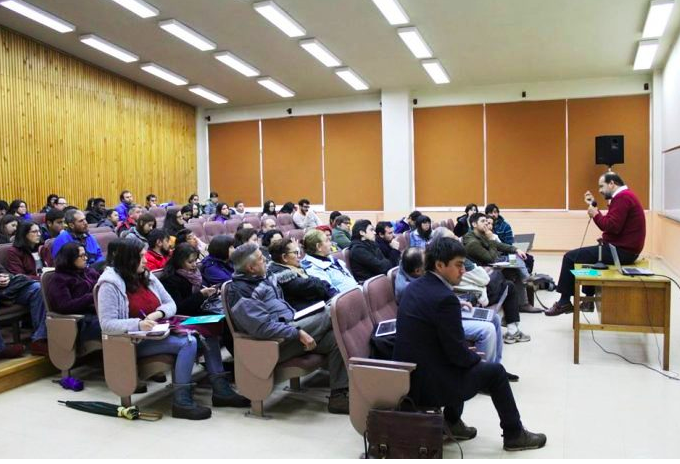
{"type": "Point", "coordinates": [224, 395]}
{"type": "Point", "coordinates": [184, 406]}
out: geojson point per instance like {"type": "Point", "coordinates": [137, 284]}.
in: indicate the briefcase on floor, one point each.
{"type": "Point", "coordinates": [404, 433]}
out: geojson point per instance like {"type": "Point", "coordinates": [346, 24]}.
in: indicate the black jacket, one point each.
{"type": "Point", "coordinates": [430, 334]}
{"type": "Point", "coordinates": [179, 288]}
{"type": "Point", "coordinates": [366, 260]}
{"type": "Point", "coordinates": [388, 252]}
{"type": "Point", "coordinates": [298, 291]}
{"type": "Point", "coordinates": [462, 226]}
{"type": "Point", "coordinates": [94, 217]}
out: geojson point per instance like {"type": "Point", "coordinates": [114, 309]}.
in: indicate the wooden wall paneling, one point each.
{"type": "Point", "coordinates": [526, 154]}
{"type": "Point", "coordinates": [353, 161]}
{"type": "Point", "coordinates": [590, 117]}
{"type": "Point", "coordinates": [235, 161]}
{"type": "Point", "coordinates": [70, 128]}
{"type": "Point", "coordinates": [449, 155]}
{"type": "Point", "coordinates": [291, 158]}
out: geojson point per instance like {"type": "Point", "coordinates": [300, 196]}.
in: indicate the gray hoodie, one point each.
{"type": "Point", "coordinates": [113, 304]}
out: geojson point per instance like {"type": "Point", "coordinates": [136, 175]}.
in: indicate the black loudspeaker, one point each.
{"type": "Point", "coordinates": [609, 149]}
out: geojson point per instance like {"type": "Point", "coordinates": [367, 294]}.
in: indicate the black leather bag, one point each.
{"type": "Point", "coordinates": [404, 433]}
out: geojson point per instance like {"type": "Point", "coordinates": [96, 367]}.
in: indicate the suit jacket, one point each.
{"type": "Point", "coordinates": [430, 334]}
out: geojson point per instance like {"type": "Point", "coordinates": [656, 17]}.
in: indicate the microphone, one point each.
{"type": "Point", "coordinates": [593, 204]}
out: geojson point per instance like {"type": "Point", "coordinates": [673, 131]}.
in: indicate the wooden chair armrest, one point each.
{"type": "Point", "coordinates": [383, 363]}
{"type": "Point", "coordinates": [137, 337]}
{"type": "Point", "coordinates": [75, 317]}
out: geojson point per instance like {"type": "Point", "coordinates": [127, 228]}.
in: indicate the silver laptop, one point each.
{"type": "Point", "coordinates": [477, 314]}
{"type": "Point", "coordinates": [628, 271]}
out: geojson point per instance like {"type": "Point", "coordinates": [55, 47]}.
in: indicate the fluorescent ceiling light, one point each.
{"type": "Point", "coordinates": [138, 7]}
{"type": "Point", "coordinates": [159, 71]}
{"type": "Point", "coordinates": [436, 71]}
{"type": "Point", "coordinates": [276, 87]}
{"type": "Point", "coordinates": [208, 94]}
{"type": "Point", "coordinates": [415, 42]}
{"type": "Point", "coordinates": [321, 53]}
{"type": "Point", "coordinates": [279, 18]}
{"type": "Point", "coordinates": [352, 78]}
{"type": "Point", "coordinates": [237, 64]}
{"type": "Point", "coordinates": [185, 33]}
{"type": "Point", "coordinates": [108, 48]}
{"type": "Point", "coordinates": [38, 15]}
{"type": "Point", "coordinates": [657, 18]}
{"type": "Point", "coordinates": [392, 11]}
{"type": "Point", "coordinates": [645, 54]}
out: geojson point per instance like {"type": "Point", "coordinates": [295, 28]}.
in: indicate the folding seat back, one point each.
{"type": "Point", "coordinates": [45, 252]}
{"type": "Point", "coordinates": [297, 234]}
{"type": "Point", "coordinates": [11, 313]}
{"type": "Point", "coordinates": [197, 229]}
{"type": "Point", "coordinates": [4, 248]}
{"type": "Point", "coordinates": [392, 275]}
{"type": "Point", "coordinates": [284, 222]}
{"type": "Point", "coordinates": [346, 257]}
{"type": "Point", "coordinates": [157, 211]}
{"type": "Point", "coordinates": [252, 219]}
{"type": "Point", "coordinates": [450, 223]}
{"type": "Point", "coordinates": [104, 239]}
{"type": "Point", "coordinates": [403, 240]}
{"type": "Point", "coordinates": [38, 218]}
{"type": "Point", "coordinates": [98, 230]}
{"type": "Point", "coordinates": [379, 294]}
{"type": "Point", "coordinates": [213, 228]}
{"type": "Point", "coordinates": [231, 225]}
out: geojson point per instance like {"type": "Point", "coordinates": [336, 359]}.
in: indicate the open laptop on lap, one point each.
{"type": "Point", "coordinates": [628, 271]}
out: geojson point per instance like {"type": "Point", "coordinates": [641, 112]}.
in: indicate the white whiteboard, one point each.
{"type": "Point", "coordinates": [671, 184]}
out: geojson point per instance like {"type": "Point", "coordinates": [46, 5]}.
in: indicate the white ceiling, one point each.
{"type": "Point", "coordinates": [478, 41]}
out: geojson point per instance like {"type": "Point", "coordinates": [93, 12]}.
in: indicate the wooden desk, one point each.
{"type": "Point", "coordinates": [626, 304]}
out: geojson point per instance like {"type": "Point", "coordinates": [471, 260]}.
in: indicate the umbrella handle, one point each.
{"type": "Point", "coordinates": [151, 416]}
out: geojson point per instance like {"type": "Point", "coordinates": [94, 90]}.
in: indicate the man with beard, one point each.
{"type": "Point", "coordinates": [159, 249]}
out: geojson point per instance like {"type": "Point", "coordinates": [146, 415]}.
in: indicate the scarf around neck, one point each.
{"type": "Point", "coordinates": [194, 277]}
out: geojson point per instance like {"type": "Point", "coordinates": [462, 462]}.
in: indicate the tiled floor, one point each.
{"type": "Point", "coordinates": [602, 408]}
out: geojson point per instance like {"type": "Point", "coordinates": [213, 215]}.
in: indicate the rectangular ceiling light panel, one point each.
{"type": "Point", "coordinates": [415, 42]}
{"type": "Point", "coordinates": [352, 78]}
{"type": "Point", "coordinates": [657, 18]}
{"type": "Point", "coordinates": [166, 75]}
{"type": "Point", "coordinates": [139, 7]}
{"type": "Point", "coordinates": [279, 18]}
{"type": "Point", "coordinates": [208, 94]}
{"type": "Point", "coordinates": [276, 87]}
{"type": "Point", "coordinates": [38, 15]}
{"type": "Point", "coordinates": [645, 54]}
{"type": "Point", "coordinates": [392, 11]}
{"type": "Point", "coordinates": [108, 48]}
{"type": "Point", "coordinates": [321, 53]}
{"type": "Point", "coordinates": [185, 33]}
{"type": "Point", "coordinates": [237, 64]}
{"type": "Point", "coordinates": [436, 71]}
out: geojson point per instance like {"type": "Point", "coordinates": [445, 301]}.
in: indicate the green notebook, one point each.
{"type": "Point", "coordinates": [203, 319]}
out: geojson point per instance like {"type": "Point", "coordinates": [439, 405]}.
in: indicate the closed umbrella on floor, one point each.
{"type": "Point", "coordinates": [113, 410]}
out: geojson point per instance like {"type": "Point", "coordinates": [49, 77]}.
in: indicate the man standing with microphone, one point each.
{"type": "Point", "coordinates": [623, 226]}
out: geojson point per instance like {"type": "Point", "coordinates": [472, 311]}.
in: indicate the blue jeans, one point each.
{"type": "Point", "coordinates": [486, 336]}
{"type": "Point", "coordinates": [185, 347]}
{"type": "Point", "coordinates": [31, 296]}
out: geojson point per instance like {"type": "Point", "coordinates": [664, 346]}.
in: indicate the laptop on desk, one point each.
{"type": "Point", "coordinates": [628, 271]}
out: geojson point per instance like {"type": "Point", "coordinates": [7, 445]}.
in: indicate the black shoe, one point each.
{"type": "Point", "coordinates": [141, 388]}
{"type": "Point", "coordinates": [159, 378]}
{"type": "Point", "coordinates": [525, 441]}
{"type": "Point", "coordinates": [184, 406]}
{"type": "Point", "coordinates": [338, 402]}
{"type": "Point", "coordinates": [512, 377]}
{"type": "Point", "coordinates": [223, 395]}
{"type": "Point", "coordinates": [460, 431]}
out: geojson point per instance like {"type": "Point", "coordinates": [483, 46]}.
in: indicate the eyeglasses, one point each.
{"type": "Point", "coordinates": [293, 252]}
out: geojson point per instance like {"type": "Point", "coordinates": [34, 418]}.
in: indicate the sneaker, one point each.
{"type": "Point", "coordinates": [338, 402]}
{"type": "Point", "coordinates": [508, 339]}
{"type": "Point", "coordinates": [587, 306]}
{"type": "Point", "coordinates": [460, 431]}
{"type": "Point", "coordinates": [512, 377]}
{"type": "Point", "coordinates": [527, 308]}
{"type": "Point", "coordinates": [12, 351]}
{"type": "Point", "coordinates": [525, 441]}
{"type": "Point", "coordinates": [559, 308]}
{"type": "Point", "coordinates": [517, 337]}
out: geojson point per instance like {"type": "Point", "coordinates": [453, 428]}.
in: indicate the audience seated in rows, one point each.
{"type": "Point", "coordinates": [22, 256]}
{"type": "Point", "coordinates": [49, 203]}
{"type": "Point", "coordinates": [269, 209]}
{"type": "Point", "coordinates": [420, 236]}
{"type": "Point", "coordinates": [341, 231]}
{"type": "Point", "coordinates": [267, 224]}
{"type": "Point", "coordinates": [332, 217]}
{"type": "Point", "coordinates": [329, 233]}
{"type": "Point", "coordinates": [53, 225]}
{"type": "Point", "coordinates": [259, 309]}
{"type": "Point", "coordinates": [239, 210]}
{"type": "Point", "coordinates": [430, 334]}
{"type": "Point", "coordinates": [500, 227]}
{"type": "Point", "coordinates": [300, 289]}
{"type": "Point", "coordinates": [196, 209]}
{"type": "Point", "coordinates": [366, 260]}
{"type": "Point", "coordinates": [19, 209]}
{"type": "Point", "coordinates": [76, 231]}
{"type": "Point", "coordinates": [463, 225]}
{"type": "Point", "coordinates": [270, 237]}
{"type": "Point", "coordinates": [388, 244]}
{"type": "Point", "coordinates": [71, 290]}
{"type": "Point", "coordinates": [8, 228]}
{"type": "Point", "coordinates": [210, 205]}
{"type": "Point", "coordinates": [216, 268]}
{"type": "Point", "coordinates": [140, 231]}
{"type": "Point", "coordinates": [133, 214]}
{"type": "Point", "coordinates": [183, 281]}
{"type": "Point", "coordinates": [158, 251]}
{"type": "Point", "coordinates": [187, 236]}
{"type": "Point", "coordinates": [151, 201]}
{"type": "Point", "coordinates": [126, 203]}
{"type": "Point", "coordinates": [407, 223]}
{"type": "Point", "coordinates": [174, 222]}
{"type": "Point", "coordinates": [97, 211]}
{"type": "Point", "coordinates": [304, 218]}
{"type": "Point", "coordinates": [131, 299]}
{"type": "Point", "coordinates": [319, 263]}
{"type": "Point", "coordinates": [244, 235]}
{"type": "Point", "coordinates": [287, 208]}
{"type": "Point", "coordinates": [222, 212]}
{"type": "Point", "coordinates": [110, 220]}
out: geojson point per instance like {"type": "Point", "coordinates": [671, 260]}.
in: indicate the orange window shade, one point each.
{"type": "Point", "coordinates": [353, 161]}
{"type": "Point", "coordinates": [449, 155]}
{"type": "Point", "coordinates": [591, 117]}
{"type": "Point", "coordinates": [235, 161]}
{"type": "Point", "coordinates": [526, 154]}
{"type": "Point", "coordinates": [291, 155]}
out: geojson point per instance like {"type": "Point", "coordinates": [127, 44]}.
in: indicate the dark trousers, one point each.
{"type": "Point", "coordinates": [495, 288]}
{"type": "Point", "coordinates": [493, 378]}
{"type": "Point", "coordinates": [586, 255]}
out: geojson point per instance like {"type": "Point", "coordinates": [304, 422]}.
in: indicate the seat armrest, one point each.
{"type": "Point", "coordinates": [383, 363]}
{"type": "Point", "coordinates": [76, 317]}
{"type": "Point", "coordinates": [244, 336]}
{"type": "Point", "coordinates": [137, 337]}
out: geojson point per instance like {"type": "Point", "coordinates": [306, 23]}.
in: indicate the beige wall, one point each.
{"type": "Point", "coordinates": [666, 241]}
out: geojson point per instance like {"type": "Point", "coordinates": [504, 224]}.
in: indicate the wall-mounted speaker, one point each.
{"type": "Point", "coordinates": [609, 149]}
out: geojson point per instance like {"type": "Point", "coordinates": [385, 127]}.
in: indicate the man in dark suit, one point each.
{"type": "Point", "coordinates": [430, 334]}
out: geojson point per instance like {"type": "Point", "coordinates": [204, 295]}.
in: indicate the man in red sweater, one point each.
{"type": "Point", "coordinates": [623, 226]}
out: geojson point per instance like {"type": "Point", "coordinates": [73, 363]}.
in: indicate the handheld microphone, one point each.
{"type": "Point", "coordinates": [593, 204]}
